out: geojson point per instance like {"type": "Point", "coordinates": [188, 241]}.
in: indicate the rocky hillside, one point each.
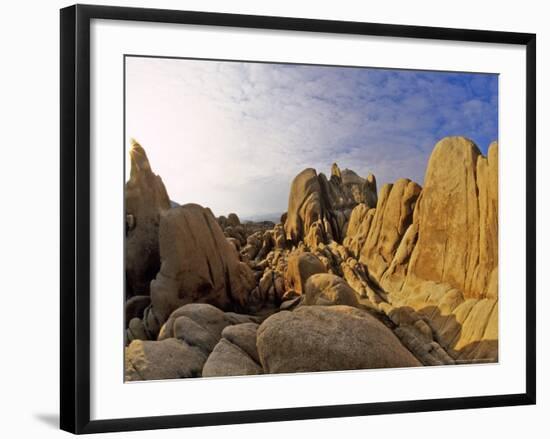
{"type": "Point", "coordinates": [349, 278]}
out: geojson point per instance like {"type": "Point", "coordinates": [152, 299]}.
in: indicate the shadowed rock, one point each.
{"type": "Point", "coordinates": [235, 354]}
{"type": "Point", "coordinates": [145, 200]}
{"type": "Point", "coordinates": [199, 265]}
{"type": "Point", "coordinates": [228, 359]}
{"type": "Point", "coordinates": [161, 360]}
{"type": "Point", "coordinates": [135, 306]}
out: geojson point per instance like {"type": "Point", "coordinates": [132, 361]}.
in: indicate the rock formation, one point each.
{"type": "Point", "coordinates": [439, 254]}
{"type": "Point", "coordinates": [348, 279]}
{"type": "Point", "coordinates": [457, 220]}
{"type": "Point", "coordinates": [329, 289]}
{"type": "Point", "coordinates": [198, 265]}
{"type": "Point", "coordinates": [145, 199]}
{"type": "Point", "coordinates": [235, 354]}
{"type": "Point", "coordinates": [300, 267]}
{"type": "Point", "coordinates": [392, 217]}
{"type": "Point", "coordinates": [322, 338]}
{"type": "Point", "coordinates": [161, 360]}
{"type": "Point", "coordinates": [319, 208]}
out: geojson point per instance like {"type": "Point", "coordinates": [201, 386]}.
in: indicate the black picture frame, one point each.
{"type": "Point", "coordinates": [75, 217]}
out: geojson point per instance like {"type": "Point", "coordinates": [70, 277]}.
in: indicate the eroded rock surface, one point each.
{"type": "Point", "coordinates": [199, 265]}
{"type": "Point", "coordinates": [457, 220]}
{"type": "Point", "coordinates": [322, 338]}
{"type": "Point", "coordinates": [300, 267]}
{"type": "Point", "coordinates": [319, 208]}
{"type": "Point", "coordinates": [236, 353]}
{"type": "Point", "coordinates": [145, 199]}
{"type": "Point", "coordinates": [348, 279]}
{"type": "Point", "coordinates": [329, 289]}
{"type": "Point", "coordinates": [161, 360]}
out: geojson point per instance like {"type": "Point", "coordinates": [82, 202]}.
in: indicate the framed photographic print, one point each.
{"type": "Point", "coordinates": [255, 204]}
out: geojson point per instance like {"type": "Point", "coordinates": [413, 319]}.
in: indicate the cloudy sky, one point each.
{"type": "Point", "coordinates": [232, 135]}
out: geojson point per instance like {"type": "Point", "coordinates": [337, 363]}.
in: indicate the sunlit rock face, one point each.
{"type": "Point", "coordinates": [435, 248]}
{"type": "Point", "coordinates": [350, 278]}
{"type": "Point", "coordinates": [457, 219]}
{"type": "Point", "coordinates": [319, 208]}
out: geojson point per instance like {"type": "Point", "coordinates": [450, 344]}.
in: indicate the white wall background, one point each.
{"type": "Point", "coordinates": [29, 248]}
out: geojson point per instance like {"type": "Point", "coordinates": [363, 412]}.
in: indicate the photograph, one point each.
{"type": "Point", "coordinates": [294, 218]}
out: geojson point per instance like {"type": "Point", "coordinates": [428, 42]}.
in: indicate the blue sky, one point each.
{"type": "Point", "coordinates": [232, 135]}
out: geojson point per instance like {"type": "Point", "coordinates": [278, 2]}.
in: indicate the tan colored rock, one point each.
{"type": "Point", "coordinates": [235, 243]}
{"type": "Point", "coordinates": [361, 190]}
{"type": "Point", "coordinates": [271, 286]}
{"type": "Point", "coordinates": [243, 336]}
{"type": "Point", "coordinates": [324, 338]}
{"type": "Point", "coordinates": [395, 275]}
{"type": "Point", "coordinates": [228, 359]}
{"type": "Point", "coordinates": [161, 360]}
{"type": "Point", "coordinates": [354, 274]}
{"type": "Point", "coordinates": [328, 289]}
{"type": "Point", "coordinates": [253, 245]}
{"type": "Point", "coordinates": [145, 199]}
{"type": "Point", "coordinates": [300, 267]}
{"type": "Point", "coordinates": [198, 265]}
{"type": "Point", "coordinates": [235, 354]}
{"type": "Point", "coordinates": [466, 328]}
{"type": "Point", "coordinates": [304, 205]}
{"type": "Point", "coordinates": [358, 228]}
{"type": "Point", "coordinates": [473, 331]}
{"type": "Point", "coordinates": [457, 220]}
{"type": "Point", "coordinates": [318, 208]}
{"type": "Point", "coordinates": [486, 272]}
{"type": "Point", "coordinates": [393, 215]}
{"type": "Point", "coordinates": [199, 324]}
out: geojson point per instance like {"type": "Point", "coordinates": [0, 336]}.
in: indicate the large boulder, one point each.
{"type": "Point", "coordinates": [358, 189]}
{"type": "Point", "coordinates": [200, 325]}
{"type": "Point", "coordinates": [161, 360]}
{"type": "Point", "coordinates": [319, 208]}
{"type": "Point", "coordinates": [300, 267]}
{"type": "Point", "coordinates": [393, 215]}
{"type": "Point", "coordinates": [305, 205]}
{"type": "Point", "coordinates": [145, 199]}
{"type": "Point", "coordinates": [457, 218]}
{"type": "Point", "coordinates": [443, 262]}
{"type": "Point", "coordinates": [235, 354]}
{"type": "Point", "coordinates": [244, 336]}
{"type": "Point", "coordinates": [358, 228]}
{"type": "Point", "coordinates": [228, 359]}
{"type": "Point", "coordinates": [329, 289]}
{"type": "Point", "coordinates": [324, 338]}
{"type": "Point", "coordinates": [199, 265]}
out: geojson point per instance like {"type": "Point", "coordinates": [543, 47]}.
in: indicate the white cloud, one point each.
{"type": "Point", "coordinates": [232, 136]}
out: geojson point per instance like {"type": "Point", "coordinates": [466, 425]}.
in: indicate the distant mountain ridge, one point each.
{"type": "Point", "coordinates": [273, 217]}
